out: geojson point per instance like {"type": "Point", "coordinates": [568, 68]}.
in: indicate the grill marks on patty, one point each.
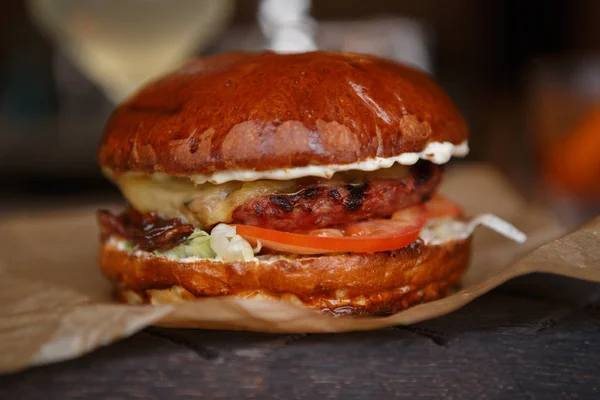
{"type": "Point", "coordinates": [356, 196]}
{"type": "Point", "coordinates": [315, 206]}
{"type": "Point", "coordinates": [320, 206]}
{"type": "Point", "coordinates": [288, 201]}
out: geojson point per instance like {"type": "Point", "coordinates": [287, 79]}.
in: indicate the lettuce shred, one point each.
{"type": "Point", "coordinates": [223, 244]}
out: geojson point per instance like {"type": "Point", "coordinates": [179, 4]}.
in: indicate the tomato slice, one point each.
{"type": "Point", "coordinates": [326, 232]}
{"type": "Point", "coordinates": [402, 221]}
{"type": "Point", "coordinates": [364, 237]}
{"type": "Point", "coordinates": [440, 207]}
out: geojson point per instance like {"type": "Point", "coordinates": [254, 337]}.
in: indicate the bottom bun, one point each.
{"type": "Point", "coordinates": [357, 284]}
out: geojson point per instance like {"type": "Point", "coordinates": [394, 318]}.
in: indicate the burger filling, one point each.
{"type": "Point", "coordinates": [325, 205]}
{"type": "Point", "coordinates": [353, 211]}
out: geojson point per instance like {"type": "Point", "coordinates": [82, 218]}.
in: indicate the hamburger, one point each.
{"type": "Point", "coordinates": [308, 178]}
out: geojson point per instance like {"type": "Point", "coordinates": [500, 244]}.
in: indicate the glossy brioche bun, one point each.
{"type": "Point", "coordinates": [359, 283]}
{"type": "Point", "coordinates": [263, 111]}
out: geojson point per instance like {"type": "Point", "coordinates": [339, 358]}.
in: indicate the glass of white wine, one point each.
{"type": "Point", "coordinates": [121, 44]}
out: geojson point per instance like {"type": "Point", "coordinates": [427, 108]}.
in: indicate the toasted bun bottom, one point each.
{"type": "Point", "coordinates": [360, 283]}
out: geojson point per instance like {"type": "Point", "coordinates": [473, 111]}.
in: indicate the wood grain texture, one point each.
{"type": "Point", "coordinates": [503, 345]}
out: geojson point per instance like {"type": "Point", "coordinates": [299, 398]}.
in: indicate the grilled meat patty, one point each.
{"type": "Point", "coordinates": [319, 206]}
{"type": "Point", "coordinates": [315, 206]}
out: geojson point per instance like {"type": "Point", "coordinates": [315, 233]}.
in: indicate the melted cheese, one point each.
{"type": "Point", "coordinates": [208, 204]}
{"type": "Point", "coordinates": [202, 205]}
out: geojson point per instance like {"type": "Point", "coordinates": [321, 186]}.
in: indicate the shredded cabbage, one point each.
{"type": "Point", "coordinates": [230, 246]}
{"type": "Point", "coordinates": [221, 244]}
{"type": "Point", "coordinates": [196, 245]}
{"type": "Point", "coordinates": [440, 230]}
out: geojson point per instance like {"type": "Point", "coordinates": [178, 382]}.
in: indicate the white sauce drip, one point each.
{"type": "Point", "coordinates": [436, 152]}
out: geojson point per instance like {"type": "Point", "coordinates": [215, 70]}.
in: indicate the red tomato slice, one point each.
{"type": "Point", "coordinates": [439, 207]}
{"type": "Point", "coordinates": [326, 232]}
{"type": "Point", "coordinates": [363, 237]}
{"type": "Point", "coordinates": [405, 220]}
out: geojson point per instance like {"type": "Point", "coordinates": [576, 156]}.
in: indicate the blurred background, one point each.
{"type": "Point", "coordinates": [525, 74]}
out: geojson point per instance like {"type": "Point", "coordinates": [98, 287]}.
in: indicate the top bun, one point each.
{"type": "Point", "coordinates": [263, 111]}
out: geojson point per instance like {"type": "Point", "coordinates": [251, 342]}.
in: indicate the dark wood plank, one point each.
{"type": "Point", "coordinates": [501, 346]}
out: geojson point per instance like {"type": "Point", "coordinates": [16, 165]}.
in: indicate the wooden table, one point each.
{"type": "Point", "coordinates": [507, 344]}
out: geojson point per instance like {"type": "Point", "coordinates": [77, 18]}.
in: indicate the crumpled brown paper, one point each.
{"type": "Point", "coordinates": [55, 305]}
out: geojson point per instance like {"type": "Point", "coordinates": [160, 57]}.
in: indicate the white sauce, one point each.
{"type": "Point", "coordinates": [436, 152]}
{"type": "Point", "coordinates": [119, 244]}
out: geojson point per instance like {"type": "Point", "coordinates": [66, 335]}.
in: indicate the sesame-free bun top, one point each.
{"type": "Point", "coordinates": [263, 111]}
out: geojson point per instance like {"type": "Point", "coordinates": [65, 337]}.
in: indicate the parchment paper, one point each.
{"type": "Point", "coordinates": [55, 304]}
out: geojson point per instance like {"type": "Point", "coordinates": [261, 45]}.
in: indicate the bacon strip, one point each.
{"type": "Point", "coordinates": [146, 231]}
